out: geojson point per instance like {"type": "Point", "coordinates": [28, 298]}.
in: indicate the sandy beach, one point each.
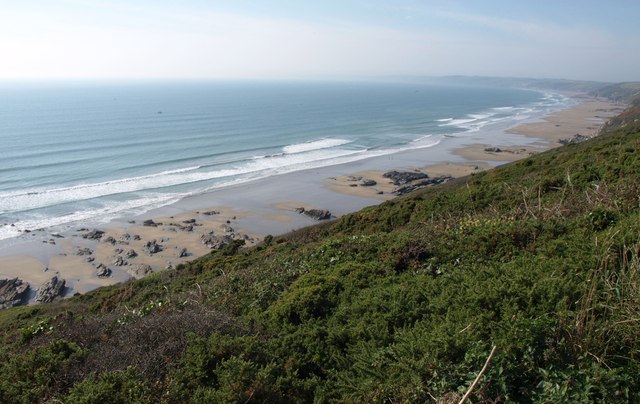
{"type": "Point", "coordinates": [584, 119]}
{"type": "Point", "coordinates": [161, 239]}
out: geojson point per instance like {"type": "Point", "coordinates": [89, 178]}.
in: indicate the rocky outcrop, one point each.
{"type": "Point", "coordinates": [575, 139]}
{"type": "Point", "coordinates": [50, 290]}
{"type": "Point", "coordinates": [368, 183]}
{"type": "Point", "coordinates": [151, 247]}
{"type": "Point", "coordinates": [215, 242]}
{"type": "Point", "coordinates": [93, 235]}
{"type": "Point", "coordinates": [84, 251]}
{"type": "Point", "coordinates": [316, 214]}
{"type": "Point", "coordinates": [404, 177]}
{"type": "Point", "coordinates": [421, 184]}
{"type": "Point", "coordinates": [103, 271]}
{"type": "Point", "coordinates": [140, 270]}
{"type": "Point", "coordinates": [130, 254]}
{"type": "Point", "coordinates": [12, 292]}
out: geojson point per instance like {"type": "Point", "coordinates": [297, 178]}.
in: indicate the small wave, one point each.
{"type": "Point", "coordinates": [314, 145]}
{"type": "Point", "coordinates": [99, 215]}
{"type": "Point", "coordinates": [444, 120]}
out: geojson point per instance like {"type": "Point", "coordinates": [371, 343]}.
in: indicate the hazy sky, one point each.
{"type": "Point", "coordinates": [327, 39]}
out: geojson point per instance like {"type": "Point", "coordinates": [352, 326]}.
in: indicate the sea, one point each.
{"type": "Point", "coordinates": [72, 152]}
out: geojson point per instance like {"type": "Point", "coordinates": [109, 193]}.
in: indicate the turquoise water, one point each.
{"type": "Point", "coordinates": [76, 151]}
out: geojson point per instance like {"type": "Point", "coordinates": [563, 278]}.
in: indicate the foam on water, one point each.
{"type": "Point", "coordinates": [314, 145]}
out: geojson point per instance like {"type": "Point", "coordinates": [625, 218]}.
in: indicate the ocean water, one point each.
{"type": "Point", "coordinates": [71, 152]}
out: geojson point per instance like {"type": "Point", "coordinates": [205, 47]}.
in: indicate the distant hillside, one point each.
{"type": "Point", "coordinates": [402, 302]}
{"type": "Point", "coordinates": [628, 92]}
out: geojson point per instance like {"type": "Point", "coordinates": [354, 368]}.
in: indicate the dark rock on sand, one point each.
{"type": "Point", "coordinates": [421, 184]}
{"type": "Point", "coordinates": [183, 253]}
{"type": "Point", "coordinates": [189, 221]}
{"type": "Point", "coordinates": [84, 251]}
{"type": "Point", "coordinates": [50, 290]}
{"type": "Point", "coordinates": [140, 270]}
{"type": "Point", "coordinates": [316, 214]}
{"type": "Point", "coordinates": [12, 292]}
{"type": "Point", "coordinates": [151, 247]}
{"type": "Point", "coordinates": [215, 242]}
{"type": "Point", "coordinates": [493, 149]}
{"type": "Point", "coordinates": [136, 237]}
{"type": "Point", "coordinates": [577, 138]}
{"type": "Point", "coordinates": [119, 261]}
{"type": "Point", "coordinates": [93, 235]}
{"type": "Point", "coordinates": [368, 183]}
{"type": "Point", "coordinates": [211, 213]}
{"type": "Point", "coordinates": [130, 254]}
{"type": "Point", "coordinates": [110, 240]}
{"type": "Point", "coordinates": [404, 177]}
{"type": "Point", "coordinates": [103, 271]}
{"type": "Point", "coordinates": [150, 223]}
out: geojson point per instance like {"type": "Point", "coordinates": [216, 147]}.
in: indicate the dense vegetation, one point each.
{"type": "Point", "coordinates": [397, 303]}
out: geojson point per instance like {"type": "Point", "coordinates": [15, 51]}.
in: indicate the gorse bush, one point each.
{"type": "Point", "coordinates": [401, 302]}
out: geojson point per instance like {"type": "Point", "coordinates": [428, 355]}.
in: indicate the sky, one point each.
{"type": "Point", "coordinates": [316, 40]}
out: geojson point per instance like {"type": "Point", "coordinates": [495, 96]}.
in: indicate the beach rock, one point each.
{"type": "Point", "coordinates": [227, 229]}
{"type": "Point", "coordinates": [57, 235]}
{"type": "Point", "coordinates": [52, 241]}
{"type": "Point", "coordinates": [404, 177]}
{"type": "Point", "coordinates": [131, 221]}
{"type": "Point", "coordinates": [577, 138]}
{"type": "Point", "coordinates": [130, 254]}
{"type": "Point", "coordinates": [119, 261]}
{"type": "Point", "coordinates": [89, 259]}
{"type": "Point", "coordinates": [50, 290]}
{"type": "Point", "coordinates": [150, 223]}
{"type": "Point", "coordinates": [493, 149]}
{"type": "Point", "coordinates": [151, 247]}
{"type": "Point", "coordinates": [118, 250]}
{"type": "Point", "coordinates": [215, 242]}
{"type": "Point", "coordinates": [426, 183]}
{"type": "Point", "coordinates": [93, 235]}
{"type": "Point", "coordinates": [103, 271]}
{"type": "Point", "coordinates": [189, 221]}
{"type": "Point", "coordinates": [84, 251]}
{"type": "Point", "coordinates": [170, 266]}
{"type": "Point", "coordinates": [125, 237]}
{"type": "Point", "coordinates": [316, 214]}
{"type": "Point", "coordinates": [136, 237]}
{"type": "Point", "coordinates": [110, 240]}
{"type": "Point", "coordinates": [140, 270]}
{"type": "Point", "coordinates": [210, 213]}
{"type": "Point", "coordinates": [12, 292]}
{"type": "Point", "coordinates": [183, 253]}
{"type": "Point", "coordinates": [368, 183]}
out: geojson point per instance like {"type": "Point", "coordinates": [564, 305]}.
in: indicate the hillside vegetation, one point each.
{"type": "Point", "coordinates": [401, 302]}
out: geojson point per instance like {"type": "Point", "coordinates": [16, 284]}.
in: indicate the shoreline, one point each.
{"type": "Point", "coordinates": [189, 228]}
